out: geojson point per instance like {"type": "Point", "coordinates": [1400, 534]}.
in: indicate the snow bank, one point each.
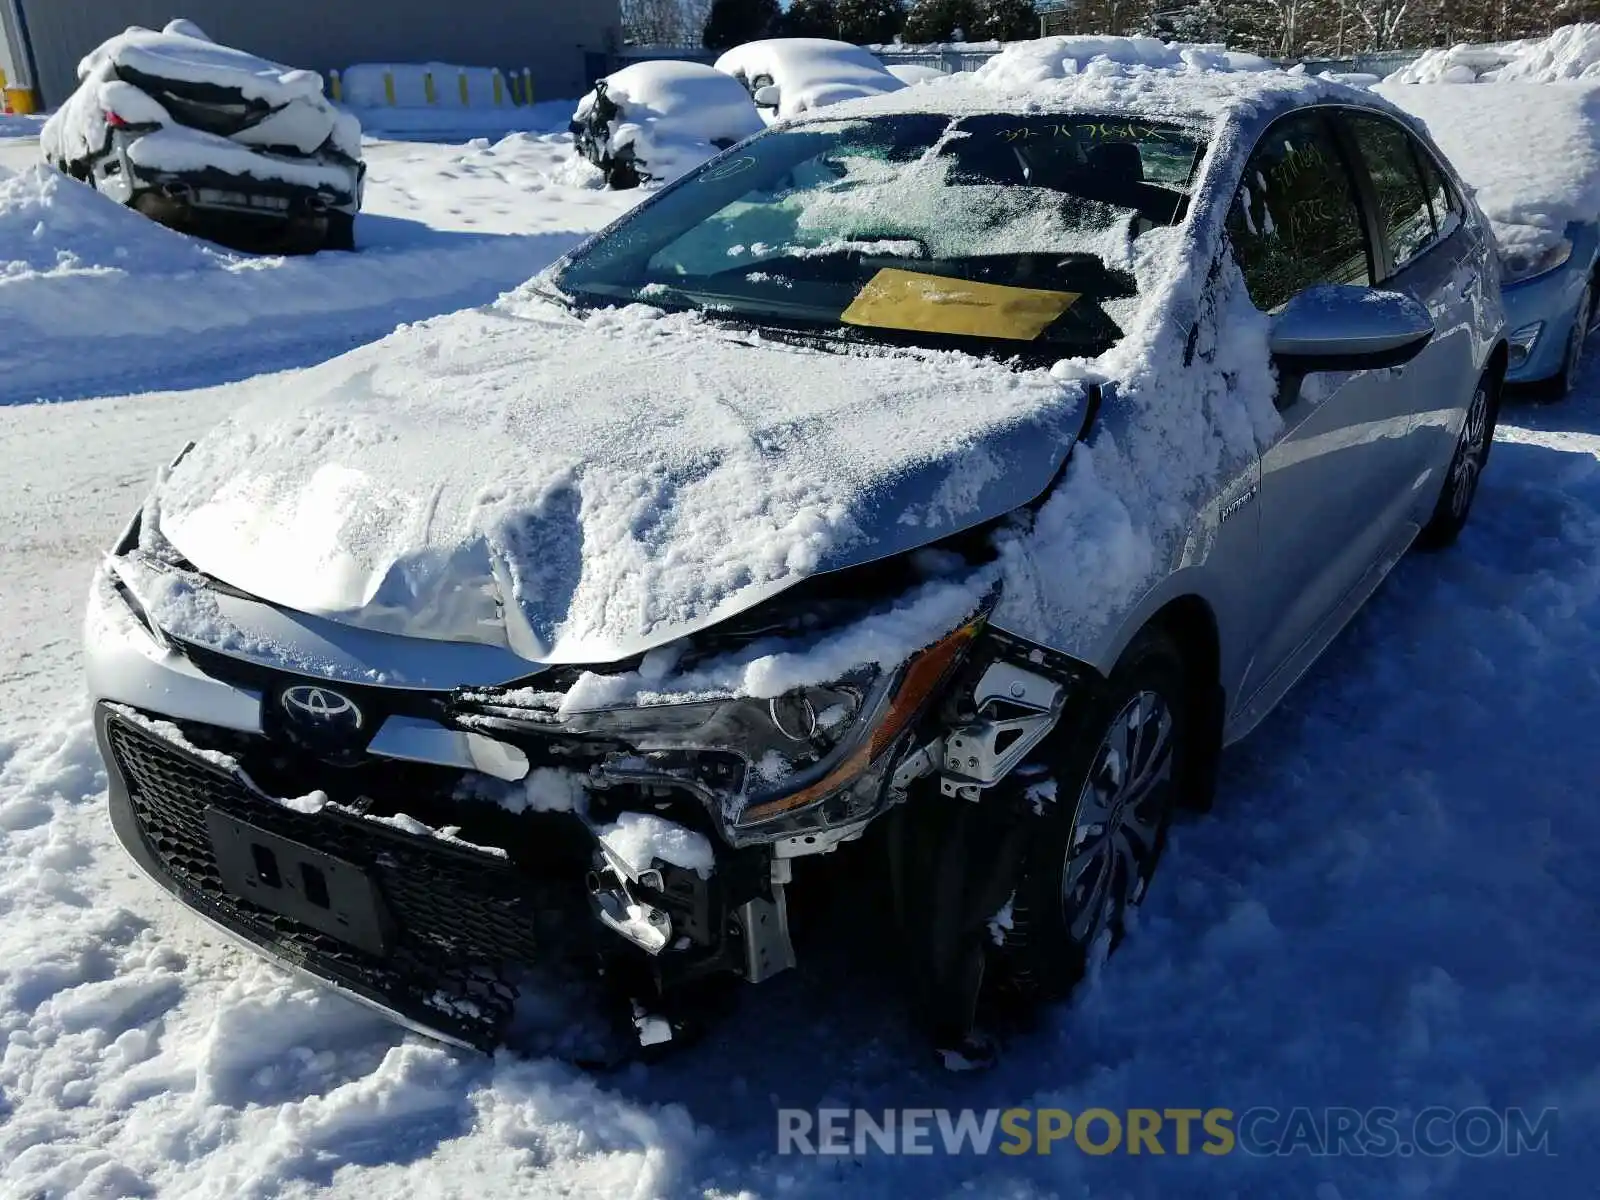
{"type": "Point", "coordinates": [675, 115]}
{"type": "Point", "coordinates": [1531, 151]}
{"type": "Point", "coordinates": [1571, 52]}
{"type": "Point", "coordinates": [913, 73]}
{"type": "Point", "coordinates": [809, 72]}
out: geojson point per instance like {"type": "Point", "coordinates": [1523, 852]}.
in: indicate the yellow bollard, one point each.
{"type": "Point", "coordinates": [527, 84]}
{"type": "Point", "coordinates": [388, 88]}
{"type": "Point", "coordinates": [499, 89]}
{"type": "Point", "coordinates": [427, 87]}
{"type": "Point", "coordinates": [335, 86]}
{"type": "Point", "coordinates": [465, 102]}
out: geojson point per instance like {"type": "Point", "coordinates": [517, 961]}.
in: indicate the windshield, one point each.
{"type": "Point", "coordinates": [918, 229]}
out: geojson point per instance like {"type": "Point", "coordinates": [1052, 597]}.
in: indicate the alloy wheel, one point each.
{"type": "Point", "coordinates": [1471, 451]}
{"type": "Point", "coordinates": [1117, 828]}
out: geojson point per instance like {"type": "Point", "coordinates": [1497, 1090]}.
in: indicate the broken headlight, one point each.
{"type": "Point", "coordinates": [755, 761]}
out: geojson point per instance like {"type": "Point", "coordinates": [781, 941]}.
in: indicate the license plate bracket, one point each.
{"type": "Point", "coordinates": [297, 881]}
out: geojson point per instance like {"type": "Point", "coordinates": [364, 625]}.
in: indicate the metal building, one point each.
{"type": "Point", "coordinates": [565, 43]}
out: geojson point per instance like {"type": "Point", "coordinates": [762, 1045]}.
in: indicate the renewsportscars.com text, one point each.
{"type": "Point", "coordinates": [1330, 1131]}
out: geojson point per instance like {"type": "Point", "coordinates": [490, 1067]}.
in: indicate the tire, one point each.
{"type": "Point", "coordinates": [341, 232]}
{"type": "Point", "coordinates": [1471, 455]}
{"type": "Point", "coordinates": [1559, 386]}
{"type": "Point", "coordinates": [1143, 713]}
{"type": "Point", "coordinates": [621, 174]}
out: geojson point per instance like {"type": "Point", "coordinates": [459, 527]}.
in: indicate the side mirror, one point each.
{"type": "Point", "coordinates": [1340, 327]}
{"type": "Point", "coordinates": [767, 97]}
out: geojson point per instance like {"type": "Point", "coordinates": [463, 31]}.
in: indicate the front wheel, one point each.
{"type": "Point", "coordinates": [1560, 385]}
{"type": "Point", "coordinates": [1100, 832]}
{"type": "Point", "coordinates": [1466, 469]}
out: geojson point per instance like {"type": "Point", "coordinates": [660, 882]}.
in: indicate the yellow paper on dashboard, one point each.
{"type": "Point", "coordinates": [896, 299]}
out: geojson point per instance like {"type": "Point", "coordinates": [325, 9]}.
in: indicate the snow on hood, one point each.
{"type": "Point", "coordinates": [674, 114]}
{"type": "Point", "coordinates": [1531, 151]}
{"type": "Point", "coordinates": [809, 72]}
{"type": "Point", "coordinates": [580, 489]}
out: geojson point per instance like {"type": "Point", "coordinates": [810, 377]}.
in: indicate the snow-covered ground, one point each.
{"type": "Point", "coordinates": [97, 300]}
{"type": "Point", "coordinates": [1393, 904]}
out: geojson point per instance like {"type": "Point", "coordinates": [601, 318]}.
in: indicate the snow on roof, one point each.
{"type": "Point", "coordinates": [690, 95]}
{"type": "Point", "coordinates": [809, 72]}
{"type": "Point", "coordinates": [675, 114]}
{"type": "Point", "coordinates": [181, 52]}
{"type": "Point", "coordinates": [1571, 52]}
{"type": "Point", "coordinates": [1531, 151]}
{"type": "Point", "coordinates": [1196, 84]}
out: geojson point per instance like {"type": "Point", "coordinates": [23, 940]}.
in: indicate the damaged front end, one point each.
{"type": "Point", "coordinates": [449, 854]}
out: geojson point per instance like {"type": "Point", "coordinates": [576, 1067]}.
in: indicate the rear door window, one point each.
{"type": "Point", "coordinates": [1391, 158]}
{"type": "Point", "coordinates": [1295, 221]}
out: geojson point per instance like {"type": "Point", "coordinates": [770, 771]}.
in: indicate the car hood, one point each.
{"type": "Point", "coordinates": [582, 488]}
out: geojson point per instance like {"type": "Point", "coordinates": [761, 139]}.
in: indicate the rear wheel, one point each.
{"type": "Point", "coordinates": [1100, 832]}
{"type": "Point", "coordinates": [341, 232]}
{"type": "Point", "coordinates": [1466, 469]}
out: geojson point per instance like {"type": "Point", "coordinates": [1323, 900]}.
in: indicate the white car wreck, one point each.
{"type": "Point", "coordinates": [924, 492]}
{"type": "Point", "coordinates": [789, 76]}
{"type": "Point", "coordinates": [652, 121]}
{"type": "Point", "coordinates": [209, 139]}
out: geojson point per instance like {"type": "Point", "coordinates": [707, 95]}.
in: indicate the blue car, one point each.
{"type": "Point", "coordinates": [1549, 302]}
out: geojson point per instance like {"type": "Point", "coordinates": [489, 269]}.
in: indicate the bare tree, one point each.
{"type": "Point", "coordinates": [1381, 20]}
{"type": "Point", "coordinates": [664, 22]}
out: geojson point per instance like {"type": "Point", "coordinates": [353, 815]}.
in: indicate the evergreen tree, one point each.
{"type": "Point", "coordinates": [937, 20]}
{"type": "Point", "coordinates": [734, 22]}
{"type": "Point", "coordinates": [810, 18]}
{"type": "Point", "coordinates": [1002, 21]}
{"type": "Point", "coordinates": [869, 21]}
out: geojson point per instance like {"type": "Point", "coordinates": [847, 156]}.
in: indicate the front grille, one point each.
{"type": "Point", "coordinates": [468, 924]}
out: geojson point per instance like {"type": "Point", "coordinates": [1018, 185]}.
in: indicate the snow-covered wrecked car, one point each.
{"type": "Point", "coordinates": [652, 121]}
{"type": "Point", "coordinates": [1522, 122]}
{"type": "Point", "coordinates": [789, 76]}
{"type": "Point", "coordinates": [210, 139]}
{"type": "Point", "coordinates": [922, 493]}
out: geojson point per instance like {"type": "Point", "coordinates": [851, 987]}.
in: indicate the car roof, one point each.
{"type": "Point", "coordinates": [1197, 86]}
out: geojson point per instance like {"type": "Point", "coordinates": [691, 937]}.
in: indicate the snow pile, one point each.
{"type": "Point", "coordinates": [914, 73]}
{"type": "Point", "coordinates": [808, 72]}
{"type": "Point", "coordinates": [1531, 151]}
{"type": "Point", "coordinates": [94, 296]}
{"type": "Point", "coordinates": [113, 76]}
{"type": "Point", "coordinates": [1571, 52]}
{"type": "Point", "coordinates": [674, 115]}
{"type": "Point", "coordinates": [640, 839]}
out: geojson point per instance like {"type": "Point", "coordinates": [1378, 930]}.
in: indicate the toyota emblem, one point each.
{"type": "Point", "coordinates": [320, 708]}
